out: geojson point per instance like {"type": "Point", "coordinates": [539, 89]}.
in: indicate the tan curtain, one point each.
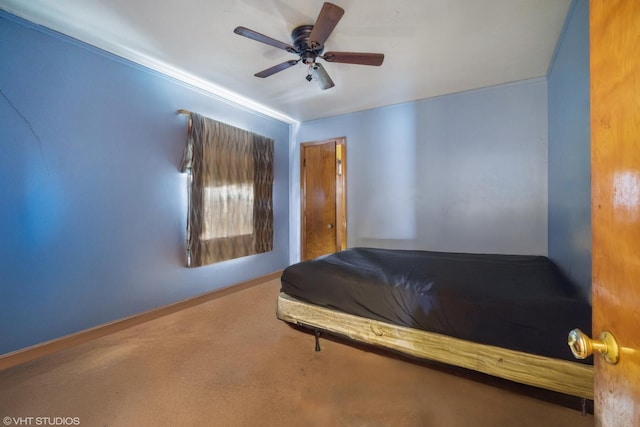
{"type": "Point", "coordinates": [230, 192]}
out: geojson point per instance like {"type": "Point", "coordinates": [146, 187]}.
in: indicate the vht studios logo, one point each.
{"type": "Point", "coordinates": [41, 421]}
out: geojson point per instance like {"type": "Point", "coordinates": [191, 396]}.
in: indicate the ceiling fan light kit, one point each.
{"type": "Point", "coordinates": [308, 44]}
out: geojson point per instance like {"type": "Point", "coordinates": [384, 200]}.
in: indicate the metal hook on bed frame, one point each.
{"type": "Point", "coordinates": [316, 333]}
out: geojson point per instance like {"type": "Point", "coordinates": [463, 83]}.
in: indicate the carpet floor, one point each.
{"type": "Point", "coordinates": [230, 362]}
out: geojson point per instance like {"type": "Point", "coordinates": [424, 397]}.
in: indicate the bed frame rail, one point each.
{"type": "Point", "coordinates": [552, 374]}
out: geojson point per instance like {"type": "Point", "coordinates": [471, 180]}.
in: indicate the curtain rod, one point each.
{"type": "Point", "coordinates": [190, 121]}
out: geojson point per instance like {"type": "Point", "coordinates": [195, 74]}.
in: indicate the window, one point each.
{"type": "Point", "coordinates": [230, 192]}
{"type": "Point", "coordinates": [228, 211]}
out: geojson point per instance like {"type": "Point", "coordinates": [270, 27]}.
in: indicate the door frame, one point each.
{"type": "Point", "coordinates": [341, 192]}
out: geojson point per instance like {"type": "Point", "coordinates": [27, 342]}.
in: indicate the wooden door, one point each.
{"type": "Point", "coordinates": [615, 169]}
{"type": "Point", "coordinates": [323, 198]}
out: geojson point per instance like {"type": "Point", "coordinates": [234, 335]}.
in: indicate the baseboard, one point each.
{"type": "Point", "coordinates": [30, 353]}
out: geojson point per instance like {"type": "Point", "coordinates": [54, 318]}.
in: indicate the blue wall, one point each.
{"type": "Point", "coordinates": [569, 149]}
{"type": "Point", "coordinates": [465, 172]}
{"type": "Point", "coordinates": [92, 206]}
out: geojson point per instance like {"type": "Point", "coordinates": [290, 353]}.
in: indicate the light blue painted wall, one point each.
{"type": "Point", "coordinates": [569, 149]}
{"type": "Point", "coordinates": [92, 206]}
{"type": "Point", "coordinates": [465, 172]}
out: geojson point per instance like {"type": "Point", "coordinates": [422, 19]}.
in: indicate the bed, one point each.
{"type": "Point", "coordinates": [503, 315]}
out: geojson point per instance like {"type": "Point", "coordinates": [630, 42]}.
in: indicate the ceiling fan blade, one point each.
{"type": "Point", "coordinates": [354, 58]}
{"type": "Point", "coordinates": [321, 75]}
{"type": "Point", "coordinates": [276, 68]}
{"type": "Point", "coordinates": [327, 20]}
{"type": "Point", "coordinates": [254, 35]}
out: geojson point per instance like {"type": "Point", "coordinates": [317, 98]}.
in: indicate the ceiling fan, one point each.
{"type": "Point", "coordinates": [308, 44]}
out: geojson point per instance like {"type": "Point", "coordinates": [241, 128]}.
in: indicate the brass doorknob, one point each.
{"type": "Point", "coordinates": [582, 346]}
{"type": "Point", "coordinates": [329, 225]}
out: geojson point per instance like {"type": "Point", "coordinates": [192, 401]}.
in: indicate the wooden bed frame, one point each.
{"type": "Point", "coordinates": [552, 374]}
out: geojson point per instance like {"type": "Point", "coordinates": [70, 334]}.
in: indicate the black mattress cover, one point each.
{"type": "Point", "coordinates": [518, 302]}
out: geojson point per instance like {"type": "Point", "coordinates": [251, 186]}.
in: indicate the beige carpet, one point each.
{"type": "Point", "coordinates": [230, 362]}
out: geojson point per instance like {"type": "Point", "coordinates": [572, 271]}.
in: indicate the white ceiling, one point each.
{"type": "Point", "coordinates": [431, 47]}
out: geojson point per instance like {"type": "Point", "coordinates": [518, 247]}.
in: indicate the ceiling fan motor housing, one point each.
{"type": "Point", "coordinates": [308, 44]}
{"type": "Point", "coordinates": [308, 50]}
